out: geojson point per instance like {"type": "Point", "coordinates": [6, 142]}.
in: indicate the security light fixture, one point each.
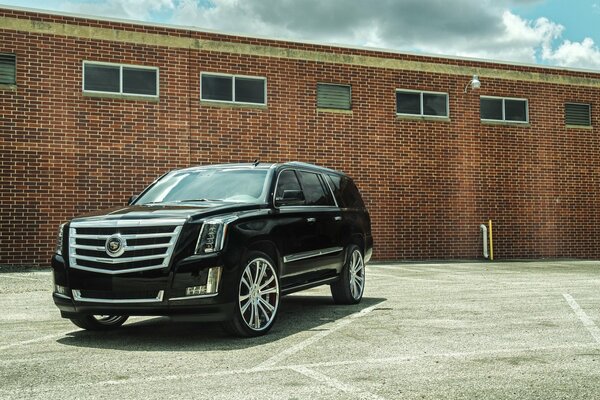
{"type": "Point", "coordinates": [474, 83]}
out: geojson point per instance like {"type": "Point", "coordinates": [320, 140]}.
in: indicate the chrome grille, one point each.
{"type": "Point", "coordinates": [148, 244]}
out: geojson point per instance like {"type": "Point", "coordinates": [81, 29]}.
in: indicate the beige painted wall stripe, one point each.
{"type": "Point", "coordinates": [154, 39]}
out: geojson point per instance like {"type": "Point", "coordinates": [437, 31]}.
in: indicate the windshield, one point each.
{"type": "Point", "coordinates": [231, 185]}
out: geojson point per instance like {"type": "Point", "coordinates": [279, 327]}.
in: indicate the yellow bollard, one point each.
{"type": "Point", "coordinates": [491, 241]}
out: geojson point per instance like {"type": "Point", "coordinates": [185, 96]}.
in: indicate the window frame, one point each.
{"type": "Point", "coordinates": [233, 78]}
{"type": "Point", "coordinates": [589, 106]}
{"type": "Point", "coordinates": [120, 92]}
{"type": "Point", "coordinates": [421, 93]}
{"type": "Point", "coordinates": [335, 84]}
{"type": "Point", "coordinates": [504, 120]}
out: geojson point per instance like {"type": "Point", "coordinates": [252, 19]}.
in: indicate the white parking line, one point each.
{"type": "Point", "coordinates": [334, 383]}
{"type": "Point", "coordinates": [2, 276]}
{"type": "Point", "coordinates": [40, 339]}
{"type": "Point", "coordinates": [315, 338]}
{"type": "Point", "coordinates": [583, 317]}
{"type": "Point", "coordinates": [408, 278]}
{"type": "Point", "coordinates": [377, 361]}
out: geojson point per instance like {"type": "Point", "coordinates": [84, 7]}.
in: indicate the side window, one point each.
{"type": "Point", "coordinates": [287, 181]}
{"type": "Point", "coordinates": [314, 190]}
{"type": "Point", "coordinates": [336, 182]}
{"type": "Point", "coordinates": [346, 192]}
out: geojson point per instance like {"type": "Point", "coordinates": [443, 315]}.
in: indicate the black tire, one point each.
{"type": "Point", "coordinates": [350, 287]}
{"type": "Point", "coordinates": [260, 296]}
{"type": "Point", "coordinates": [99, 322]}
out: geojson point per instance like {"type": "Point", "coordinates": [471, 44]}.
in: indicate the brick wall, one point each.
{"type": "Point", "coordinates": [428, 184]}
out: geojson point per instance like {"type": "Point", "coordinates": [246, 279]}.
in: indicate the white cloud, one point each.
{"type": "Point", "coordinates": [128, 9]}
{"type": "Point", "coordinates": [471, 28]}
{"type": "Point", "coordinates": [584, 54]}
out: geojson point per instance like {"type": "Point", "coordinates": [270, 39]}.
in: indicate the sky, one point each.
{"type": "Point", "coordinates": [550, 32]}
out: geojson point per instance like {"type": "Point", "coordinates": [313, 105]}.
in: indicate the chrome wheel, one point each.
{"type": "Point", "coordinates": [351, 284]}
{"type": "Point", "coordinates": [357, 274]}
{"type": "Point", "coordinates": [259, 294]}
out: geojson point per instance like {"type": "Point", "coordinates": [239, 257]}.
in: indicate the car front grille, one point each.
{"type": "Point", "coordinates": [142, 244]}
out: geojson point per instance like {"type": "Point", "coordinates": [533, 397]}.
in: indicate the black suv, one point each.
{"type": "Point", "coordinates": [219, 242]}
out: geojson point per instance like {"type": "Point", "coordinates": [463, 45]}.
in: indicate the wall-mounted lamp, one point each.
{"type": "Point", "coordinates": [474, 83]}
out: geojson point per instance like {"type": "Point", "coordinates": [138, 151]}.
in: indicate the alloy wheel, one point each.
{"type": "Point", "coordinates": [357, 274]}
{"type": "Point", "coordinates": [259, 294]}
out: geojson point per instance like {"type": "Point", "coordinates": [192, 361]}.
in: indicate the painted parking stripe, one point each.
{"type": "Point", "coordinates": [583, 317]}
{"type": "Point", "coordinates": [21, 277]}
{"type": "Point", "coordinates": [334, 383]}
{"type": "Point", "coordinates": [270, 362]}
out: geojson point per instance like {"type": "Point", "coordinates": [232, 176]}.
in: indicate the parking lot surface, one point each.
{"type": "Point", "coordinates": [506, 330]}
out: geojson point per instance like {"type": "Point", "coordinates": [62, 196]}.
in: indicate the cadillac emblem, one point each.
{"type": "Point", "coordinates": [115, 245]}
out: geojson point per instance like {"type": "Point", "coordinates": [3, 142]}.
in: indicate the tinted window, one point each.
{"type": "Point", "coordinates": [434, 104]}
{"type": "Point", "coordinates": [287, 181]}
{"type": "Point", "coordinates": [248, 90]}
{"type": "Point", "coordinates": [491, 108]}
{"type": "Point", "coordinates": [314, 192]}
{"type": "Point", "coordinates": [515, 110]}
{"type": "Point", "coordinates": [408, 103]}
{"type": "Point", "coordinates": [235, 185]}
{"type": "Point", "coordinates": [215, 87]}
{"type": "Point", "coordinates": [139, 81]}
{"type": "Point", "coordinates": [102, 78]}
{"type": "Point", "coordinates": [346, 193]}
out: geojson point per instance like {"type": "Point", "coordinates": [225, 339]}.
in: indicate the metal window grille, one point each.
{"type": "Point", "coordinates": [334, 96]}
{"type": "Point", "coordinates": [8, 64]}
{"type": "Point", "coordinates": [578, 114]}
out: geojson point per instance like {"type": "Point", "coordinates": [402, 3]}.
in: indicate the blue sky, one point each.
{"type": "Point", "coordinates": [551, 32]}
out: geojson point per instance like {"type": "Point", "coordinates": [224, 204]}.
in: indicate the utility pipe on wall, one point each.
{"type": "Point", "coordinates": [491, 241]}
{"type": "Point", "coordinates": [484, 236]}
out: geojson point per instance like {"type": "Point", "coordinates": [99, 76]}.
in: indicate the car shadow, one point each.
{"type": "Point", "coordinates": [297, 313]}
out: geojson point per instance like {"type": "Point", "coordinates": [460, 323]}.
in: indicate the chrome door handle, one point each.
{"type": "Point", "coordinates": [337, 218]}
{"type": "Point", "coordinates": [311, 220]}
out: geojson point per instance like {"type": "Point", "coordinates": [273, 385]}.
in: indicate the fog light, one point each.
{"type": "Point", "coordinates": [61, 290]}
{"type": "Point", "coordinates": [195, 290]}
{"type": "Point", "coordinates": [211, 287]}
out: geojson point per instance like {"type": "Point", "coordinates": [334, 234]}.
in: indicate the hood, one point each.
{"type": "Point", "coordinates": [191, 212]}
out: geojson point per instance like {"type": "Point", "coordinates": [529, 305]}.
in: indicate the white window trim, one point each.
{"type": "Point", "coordinates": [233, 78]}
{"type": "Point", "coordinates": [120, 92]}
{"type": "Point", "coordinates": [421, 93]}
{"type": "Point", "coordinates": [508, 121]}
{"type": "Point", "coordinates": [341, 85]}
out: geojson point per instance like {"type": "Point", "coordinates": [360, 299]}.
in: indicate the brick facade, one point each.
{"type": "Point", "coordinates": [428, 184]}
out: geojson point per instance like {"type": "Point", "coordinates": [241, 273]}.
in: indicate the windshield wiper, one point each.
{"type": "Point", "coordinates": [194, 200]}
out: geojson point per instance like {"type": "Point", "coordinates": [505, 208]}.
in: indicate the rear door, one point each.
{"type": "Point", "coordinates": [307, 232]}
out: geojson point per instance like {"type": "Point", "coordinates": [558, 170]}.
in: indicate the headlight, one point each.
{"type": "Point", "coordinates": [212, 235]}
{"type": "Point", "coordinates": [59, 239]}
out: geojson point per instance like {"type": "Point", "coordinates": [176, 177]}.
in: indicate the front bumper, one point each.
{"type": "Point", "coordinates": [153, 293]}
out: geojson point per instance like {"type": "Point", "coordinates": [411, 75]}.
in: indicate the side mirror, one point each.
{"type": "Point", "coordinates": [290, 198]}
{"type": "Point", "coordinates": [132, 199]}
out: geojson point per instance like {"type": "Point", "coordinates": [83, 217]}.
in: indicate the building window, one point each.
{"type": "Point", "coordinates": [334, 96]}
{"type": "Point", "coordinates": [423, 104]}
{"type": "Point", "coordinates": [120, 79]}
{"type": "Point", "coordinates": [578, 114]}
{"type": "Point", "coordinates": [8, 69]}
{"type": "Point", "coordinates": [233, 88]}
{"type": "Point", "coordinates": [503, 109]}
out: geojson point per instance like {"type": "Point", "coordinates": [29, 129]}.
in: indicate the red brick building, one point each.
{"type": "Point", "coordinates": [432, 161]}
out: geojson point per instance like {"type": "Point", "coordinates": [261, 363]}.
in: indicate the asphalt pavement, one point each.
{"type": "Point", "coordinates": [501, 330]}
